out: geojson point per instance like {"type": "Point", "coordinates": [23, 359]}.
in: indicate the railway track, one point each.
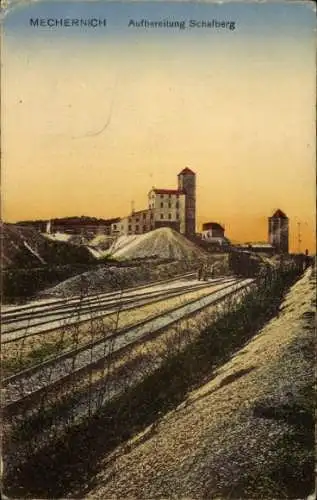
{"type": "Point", "coordinates": [27, 323]}
{"type": "Point", "coordinates": [52, 303]}
{"type": "Point", "coordinates": [25, 387]}
{"type": "Point", "coordinates": [11, 314]}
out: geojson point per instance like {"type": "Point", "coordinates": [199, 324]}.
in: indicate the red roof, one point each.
{"type": "Point", "coordinates": [187, 170]}
{"type": "Point", "coordinates": [279, 214]}
{"type": "Point", "coordinates": [168, 191]}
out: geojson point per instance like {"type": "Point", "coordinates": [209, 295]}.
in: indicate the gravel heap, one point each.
{"type": "Point", "coordinates": [108, 278]}
{"type": "Point", "coordinates": [164, 243]}
{"type": "Point", "coordinates": [229, 438]}
{"type": "Point", "coordinates": [100, 244]}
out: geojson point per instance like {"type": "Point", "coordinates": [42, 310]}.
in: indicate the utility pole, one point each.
{"type": "Point", "coordinates": [299, 238]}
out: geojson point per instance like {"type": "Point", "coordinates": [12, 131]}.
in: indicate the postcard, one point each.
{"type": "Point", "coordinates": [158, 271]}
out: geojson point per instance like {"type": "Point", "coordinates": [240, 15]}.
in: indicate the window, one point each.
{"type": "Point", "coordinates": [169, 216]}
{"type": "Point", "coordinates": [169, 195]}
{"type": "Point", "coordinates": [129, 227]}
{"type": "Point", "coordinates": [177, 196]}
{"type": "Point", "coordinates": [136, 228]}
{"type": "Point", "coordinates": [137, 219]}
{"type": "Point", "coordinates": [177, 215]}
{"type": "Point", "coordinates": [162, 195]}
{"type": "Point", "coordinates": [162, 216]}
{"type": "Point", "coordinates": [114, 226]}
{"type": "Point", "coordinates": [162, 205]}
{"type": "Point", "coordinates": [144, 215]}
{"type": "Point", "coordinates": [130, 220]}
{"type": "Point", "coordinates": [177, 204]}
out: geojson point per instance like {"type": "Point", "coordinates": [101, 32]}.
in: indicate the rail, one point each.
{"type": "Point", "coordinates": [105, 307]}
{"type": "Point", "coordinates": [21, 389]}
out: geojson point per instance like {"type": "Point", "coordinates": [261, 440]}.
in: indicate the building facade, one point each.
{"type": "Point", "coordinates": [85, 226]}
{"type": "Point", "coordinates": [212, 230]}
{"type": "Point", "coordinates": [174, 208]}
{"type": "Point", "coordinates": [279, 231]}
{"type": "Point", "coordinates": [137, 222]}
{"type": "Point", "coordinates": [214, 234]}
{"type": "Point", "coordinates": [168, 208]}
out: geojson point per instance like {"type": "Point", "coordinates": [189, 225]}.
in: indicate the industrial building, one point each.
{"type": "Point", "coordinates": [278, 228]}
{"type": "Point", "coordinates": [84, 226]}
{"type": "Point", "coordinates": [174, 208]}
{"type": "Point", "coordinates": [214, 233]}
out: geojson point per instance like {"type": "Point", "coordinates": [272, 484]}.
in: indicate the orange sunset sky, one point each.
{"type": "Point", "coordinates": [94, 119]}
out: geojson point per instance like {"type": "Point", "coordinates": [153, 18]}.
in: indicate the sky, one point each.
{"type": "Point", "coordinates": [92, 118]}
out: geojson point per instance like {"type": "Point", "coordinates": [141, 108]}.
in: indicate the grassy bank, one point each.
{"type": "Point", "coordinates": [71, 464]}
{"type": "Point", "coordinates": [21, 284]}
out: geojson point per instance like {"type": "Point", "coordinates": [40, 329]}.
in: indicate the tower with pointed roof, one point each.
{"type": "Point", "coordinates": [187, 184]}
{"type": "Point", "coordinates": [278, 231]}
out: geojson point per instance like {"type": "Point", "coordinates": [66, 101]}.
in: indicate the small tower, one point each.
{"type": "Point", "coordinates": [278, 231]}
{"type": "Point", "coordinates": [187, 184]}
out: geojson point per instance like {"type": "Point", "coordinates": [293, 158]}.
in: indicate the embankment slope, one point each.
{"type": "Point", "coordinates": [248, 433]}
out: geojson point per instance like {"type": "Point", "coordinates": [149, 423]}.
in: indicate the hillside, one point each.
{"type": "Point", "coordinates": [24, 247]}
{"type": "Point", "coordinates": [31, 262]}
{"type": "Point", "coordinates": [65, 224]}
{"type": "Point", "coordinates": [20, 246]}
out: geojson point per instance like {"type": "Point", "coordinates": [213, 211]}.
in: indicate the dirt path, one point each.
{"type": "Point", "coordinates": [248, 433]}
